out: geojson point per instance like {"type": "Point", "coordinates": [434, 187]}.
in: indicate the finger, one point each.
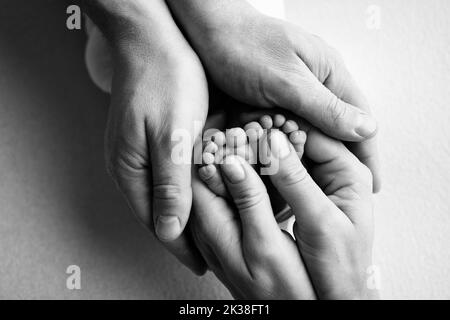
{"type": "Point", "coordinates": [332, 156]}
{"type": "Point", "coordinates": [340, 174]}
{"type": "Point", "coordinates": [252, 202]}
{"type": "Point", "coordinates": [310, 205]}
{"type": "Point", "coordinates": [216, 227]}
{"type": "Point", "coordinates": [131, 174]}
{"type": "Point", "coordinates": [172, 198]}
{"type": "Point", "coordinates": [340, 80]}
{"type": "Point", "coordinates": [172, 193]}
{"type": "Point", "coordinates": [310, 99]}
{"type": "Point", "coordinates": [366, 151]}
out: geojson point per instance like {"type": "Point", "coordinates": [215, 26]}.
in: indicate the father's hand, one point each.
{"type": "Point", "coordinates": [159, 86]}
{"type": "Point", "coordinates": [271, 63]}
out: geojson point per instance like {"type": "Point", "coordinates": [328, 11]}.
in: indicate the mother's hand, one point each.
{"type": "Point", "coordinates": [248, 252]}
{"type": "Point", "coordinates": [333, 229]}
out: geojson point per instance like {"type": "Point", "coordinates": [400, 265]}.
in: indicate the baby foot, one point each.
{"type": "Point", "coordinates": [247, 143]}
{"type": "Point", "coordinates": [217, 147]}
{"type": "Point", "coordinates": [259, 132]}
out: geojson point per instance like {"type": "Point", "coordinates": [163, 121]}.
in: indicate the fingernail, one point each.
{"type": "Point", "coordinates": [367, 126]}
{"type": "Point", "coordinates": [279, 145]}
{"type": "Point", "coordinates": [233, 170]}
{"type": "Point", "coordinates": [168, 228]}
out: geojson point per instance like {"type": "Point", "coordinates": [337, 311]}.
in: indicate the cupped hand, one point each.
{"type": "Point", "coordinates": [159, 89]}
{"type": "Point", "coordinates": [332, 204]}
{"type": "Point", "coordinates": [242, 243]}
{"type": "Point", "coordinates": [268, 62]}
{"type": "Point", "coordinates": [331, 201]}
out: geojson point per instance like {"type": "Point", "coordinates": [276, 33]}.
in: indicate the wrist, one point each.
{"type": "Point", "coordinates": [134, 28]}
{"type": "Point", "coordinates": [208, 21]}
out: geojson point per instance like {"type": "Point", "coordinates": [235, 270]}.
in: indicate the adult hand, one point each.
{"type": "Point", "coordinates": [159, 86]}
{"type": "Point", "coordinates": [267, 62]}
{"type": "Point", "coordinates": [246, 249]}
{"type": "Point", "coordinates": [332, 204]}
{"type": "Point", "coordinates": [333, 229]}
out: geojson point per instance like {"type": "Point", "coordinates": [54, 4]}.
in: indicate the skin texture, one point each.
{"type": "Point", "coordinates": [332, 204]}
{"type": "Point", "coordinates": [277, 64]}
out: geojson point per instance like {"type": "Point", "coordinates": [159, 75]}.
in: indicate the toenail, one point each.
{"type": "Point", "coordinates": [290, 126]}
{"type": "Point", "coordinates": [235, 137]}
{"type": "Point", "coordinates": [278, 120]}
{"type": "Point", "coordinates": [211, 147]}
{"type": "Point", "coordinates": [266, 122]}
{"type": "Point", "coordinates": [219, 138]}
{"type": "Point", "coordinates": [298, 137]}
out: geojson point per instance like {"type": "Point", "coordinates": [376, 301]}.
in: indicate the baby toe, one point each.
{"type": "Point", "coordinates": [278, 120]}
{"type": "Point", "coordinates": [211, 147]}
{"type": "Point", "coordinates": [219, 138]}
{"type": "Point", "coordinates": [290, 126]}
{"type": "Point", "coordinates": [266, 122]}
{"type": "Point", "coordinates": [298, 140]}
{"type": "Point", "coordinates": [235, 137]}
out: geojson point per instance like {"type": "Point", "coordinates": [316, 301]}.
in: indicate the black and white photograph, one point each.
{"type": "Point", "coordinates": [224, 150]}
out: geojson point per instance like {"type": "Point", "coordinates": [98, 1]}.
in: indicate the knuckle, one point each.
{"type": "Point", "coordinates": [293, 175]}
{"type": "Point", "coordinates": [120, 163]}
{"type": "Point", "coordinates": [113, 166]}
{"type": "Point", "coordinates": [335, 112]}
{"type": "Point", "coordinates": [168, 192]}
{"type": "Point", "coordinates": [172, 199]}
{"type": "Point", "coordinates": [333, 56]}
{"type": "Point", "coordinates": [336, 55]}
{"type": "Point", "coordinates": [248, 199]}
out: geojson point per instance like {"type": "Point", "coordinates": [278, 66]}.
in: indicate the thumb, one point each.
{"type": "Point", "coordinates": [250, 197]}
{"type": "Point", "coordinates": [171, 193]}
{"type": "Point", "coordinates": [134, 178]}
{"type": "Point", "coordinates": [311, 207]}
{"type": "Point", "coordinates": [308, 98]}
{"type": "Point", "coordinates": [172, 200]}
